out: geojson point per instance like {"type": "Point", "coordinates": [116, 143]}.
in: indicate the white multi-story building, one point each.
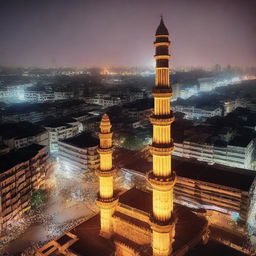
{"type": "Point", "coordinates": [60, 130]}
{"type": "Point", "coordinates": [45, 96]}
{"type": "Point", "coordinates": [192, 112]}
{"type": "Point", "coordinates": [63, 95]}
{"type": "Point", "coordinates": [38, 96]}
{"type": "Point", "coordinates": [104, 102]}
{"type": "Point", "coordinates": [238, 152]}
{"type": "Point", "coordinates": [79, 154]}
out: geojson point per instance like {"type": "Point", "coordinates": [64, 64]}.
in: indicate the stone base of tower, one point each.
{"type": "Point", "coordinates": [163, 237]}
{"type": "Point", "coordinates": [107, 209]}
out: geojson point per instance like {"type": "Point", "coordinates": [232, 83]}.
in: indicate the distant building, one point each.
{"type": "Point", "coordinates": [63, 95]}
{"type": "Point", "coordinates": [251, 105]}
{"type": "Point", "coordinates": [21, 171]}
{"type": "Point", "coordinates": [82, 116]}
{"type": "Point", "coordinates": [138, 110]}
{"type": "Point", "coordinates": [39, 111]}
{"type": "Point", "coordinates": [240, 117]}
{"type": "Point", "coordinates": [230, 106]}
{"type": "Point", "coordinates": [38, 96]}
{"type": "Point", "coordinates": [79, 153]}
{"type": "Point", "coordinates": [238, 153]}
{"type": "Point", "coordinates": [192, 112]}
{"type": "Point", "coordinates": [176, 90]}
{"type": "Point", "coordinates": [33, 116]}
{"type": "Point", "coordinates": [60, 129]}
{"type": "Point", "coordinates": [104, 101]}
{"type": "Point", "coordinates": [23, 134]}
{"type": "Point", "coordinates": [216, 146]}
{"type": "Point", "coordinates": [92, 124]}
{"type": "Point", "coordinates": [47, 93]}
{"type": "Point", "coordinates": [117, 97]}
{"type": "Point", "coordinates": [137, 94]}
{"type": "Point", "coordinates": [45, 96]}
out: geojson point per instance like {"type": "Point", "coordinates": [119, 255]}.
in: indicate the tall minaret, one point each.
{"type": "Point", "coordinates": [162, 179]}
{"type": "Point", "coordinates": [106, 199]}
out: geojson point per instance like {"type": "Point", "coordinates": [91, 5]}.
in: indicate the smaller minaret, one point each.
{"type": "Point", "coordinates": [106, 200]}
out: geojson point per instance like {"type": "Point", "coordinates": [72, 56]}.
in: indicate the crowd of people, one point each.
{"type": "Point", "coordinates": [67, 192]}
{"type": "Point", "coordinates": [55, 231]}
{"type": "Point", "coordinates": [64, 193]}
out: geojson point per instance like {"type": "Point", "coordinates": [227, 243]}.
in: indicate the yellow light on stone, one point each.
{"type": "Point", "coordinates": [106, 200]}
{"type": "Point", "coordinates": [161, 178]}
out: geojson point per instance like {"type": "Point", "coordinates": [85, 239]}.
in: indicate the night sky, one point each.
{"type": "Point", "coordinates": [121, 32]}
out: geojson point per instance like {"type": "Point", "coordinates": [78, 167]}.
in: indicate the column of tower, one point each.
{"type": "Point", "coordinates": [161, 178]}
{"type": "Point", "coordinates": [106, 199]}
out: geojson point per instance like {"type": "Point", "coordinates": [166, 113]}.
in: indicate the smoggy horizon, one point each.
{"type": "Point", "coordinates": [121, 33]}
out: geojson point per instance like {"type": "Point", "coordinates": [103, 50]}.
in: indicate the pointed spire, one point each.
{"type": "Point", "coordinates": [105, 124]}
{"type": "Point", "coordinates": [105, 118]}
{"type": "Point", "coordinates": [162, 30]}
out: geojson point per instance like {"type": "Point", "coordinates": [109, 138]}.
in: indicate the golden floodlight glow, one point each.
{"type": "Point", "coordinates": [162, 179]}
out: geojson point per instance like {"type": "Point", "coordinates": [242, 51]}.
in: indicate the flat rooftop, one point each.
{"type": "Point", "coordinates": [137, 199]}
{"type": "Point", "coordinates": [90, 243]}
{"type": "Point", "coordinates": [15, 157]}
{"type": "Point", "coordinates": [241, 141]}
{"type": "Point", "coordinates": [20, 130]}
{"type": "Point", "coordinates": [192, 169]}
{"type": "Point", "coordinates": [58, 122]}
{"type": "Point", "coordinates": [217, 174]}
{"type": "Point", "coordinates": [82, 140]}
{"type": "Point", "coordinates": [124, 158]}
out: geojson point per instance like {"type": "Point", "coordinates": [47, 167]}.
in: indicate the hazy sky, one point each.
{"type": "Point", "coordinates": [121, 32]}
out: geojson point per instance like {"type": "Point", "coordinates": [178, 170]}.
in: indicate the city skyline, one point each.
{"type": "Point", "coordinates": [203, 33]}
{"type": "Point", "coordinates": [136, 161]}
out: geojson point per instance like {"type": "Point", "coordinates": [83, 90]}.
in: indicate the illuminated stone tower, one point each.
{"type": "Point", "coordinates": [162, 179]}
{"type": "Point", "coordinates": [106, 199]}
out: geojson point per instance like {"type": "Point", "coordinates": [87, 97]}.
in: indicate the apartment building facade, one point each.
{"type": "Point", "coordinates": [79, 154]}
{"type": "Point", "coordinates": [62, 129]}
{"type": "Point", "coordinates": [192, 112]}
{"type": "Point", "coordinates": [237, 153]}
{"type": "Point", "coordinates": [21, 172]}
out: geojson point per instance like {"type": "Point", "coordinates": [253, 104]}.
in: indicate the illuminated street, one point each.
{"type": "Point", "coordinates": [60, 213]}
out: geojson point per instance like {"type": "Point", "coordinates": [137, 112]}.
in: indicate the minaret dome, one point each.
{"type": "Point", "coordinates": [162, 30]}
